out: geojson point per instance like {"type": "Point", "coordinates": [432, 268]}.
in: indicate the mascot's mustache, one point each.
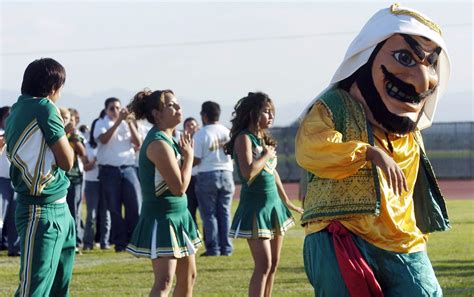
{"type": "Point", "coordinates": [411, 95]}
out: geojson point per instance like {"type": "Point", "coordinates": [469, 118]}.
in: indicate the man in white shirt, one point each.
{"type": "Point", "coordinates": [215, 183]}
{"type": "Point", "coordinates": [116, 137]}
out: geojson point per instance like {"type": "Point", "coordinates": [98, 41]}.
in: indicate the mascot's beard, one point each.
{"type": "Point", "coordinates": [391, 122]}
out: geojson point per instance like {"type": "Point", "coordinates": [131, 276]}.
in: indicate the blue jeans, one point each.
{"type": "Point", "coordinates": [74, 202]}
{"type": "Point", "coordinates": [214, 191]}
{"type": "Point", "coordinates": [9, 236]}
{"type": "Point", "coordinates": [192, 199]}
{"type": "Point", "coordinates": [120, 186]}
{"type": "Point", "coordinates": [96, 205]}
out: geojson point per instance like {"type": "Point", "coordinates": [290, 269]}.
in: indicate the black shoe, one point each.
{"type": "Point", "coordinates": [119, 249]}
{"type": "Point", "coordinates": [208, 255]}
{"type": "Point", "coordinates": [13, 254]}
{"type": "Point", "coordinates": [105, 247]}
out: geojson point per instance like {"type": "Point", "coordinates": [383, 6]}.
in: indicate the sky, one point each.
{"type": "Point", "coordinates": [215, 51]}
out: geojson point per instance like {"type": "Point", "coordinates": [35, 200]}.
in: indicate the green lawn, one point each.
{"type": "Point", "coordinates": [446, 154]}
{"type": "Point", "coordinates": [100, 273]}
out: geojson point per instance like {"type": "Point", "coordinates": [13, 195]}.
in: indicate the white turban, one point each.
{"type": "Point", "coordinates": [381, 26]}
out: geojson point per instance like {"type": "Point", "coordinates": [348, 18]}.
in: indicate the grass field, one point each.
{"type": "Point", "coordinates": [106, 273]}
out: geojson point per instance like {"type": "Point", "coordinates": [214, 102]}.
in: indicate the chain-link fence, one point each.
{"type": "Point", "coordinates": [450, 148]}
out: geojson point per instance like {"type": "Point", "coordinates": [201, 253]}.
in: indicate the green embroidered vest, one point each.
{"type": "Point", "coordinates": [360, 193]}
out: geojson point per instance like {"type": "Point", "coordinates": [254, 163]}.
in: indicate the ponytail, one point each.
{"type": "Point", "coordinates": [144, 102]}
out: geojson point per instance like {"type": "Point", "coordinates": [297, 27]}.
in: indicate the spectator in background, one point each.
{"type": "Point", "coordinates": [176, 134]}
{"type": "Point", "coordinates": [65, 115]}
{"type": "Point", "coordinates": [215, 183]}
{"type": "Point", "coordinates": [85, 131]}
{"type": "Point", "coordinates": [74, 192]}
{"type": "Point", "coordinates": [9, 238]}
{"type": "Point", "coordinates": [117, 136]}
{"type": "Point", "coordinates": [191, 126]}
{"type": "Point", "coordinates": [142, 128]}
{"type": "Point", "coordinates": [75, 114]}
{"type": "Point", "coordinates": [96, 205]}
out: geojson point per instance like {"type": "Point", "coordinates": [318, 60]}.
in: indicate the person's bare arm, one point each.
{"type": "Point", "coordinates": [63, 153]}
{"type": "Point", "coordinates": [136, 138]}
{"type": "Point", "coordinates": [283, 195]}
{"type": "Point", "coordinates": [249, 168]}
{"type": "Point", "coordinates": [88, 164]}
{"type": "Point", "coordinates": [78, 146]}
{"type": "Point", "coordinates": [177, 179]}
{"type": "Point", "coordinates": [105, 137]}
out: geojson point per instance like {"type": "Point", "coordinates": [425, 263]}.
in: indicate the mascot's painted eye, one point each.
{"type": "Point", "coordinates": [404, 57]}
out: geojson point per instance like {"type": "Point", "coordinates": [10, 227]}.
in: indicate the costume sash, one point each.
{"type": "Point", "coordinates": [357, 275]}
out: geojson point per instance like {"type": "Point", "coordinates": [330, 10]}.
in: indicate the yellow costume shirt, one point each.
{"type": "Point", "coordinates": [320, 150]}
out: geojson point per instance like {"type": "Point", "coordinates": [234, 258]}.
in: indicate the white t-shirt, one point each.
{"type": "Point", "coordinates": [177, 135]}
{"type": "Point", "coordinates": [119, 150]}
{"type": "Point", "coordinates": [143, 129]}
{"type": "Point", "coordinates": [4, 162]}
{"type": "Point", "coordinates": [195, 170]}
{"type": "Point", "coordinates": [91, 153]}
{"type": "Point", "coordinates": [209, 147]}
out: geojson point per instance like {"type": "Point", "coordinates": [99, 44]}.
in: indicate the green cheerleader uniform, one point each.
{"type": "Point", "coordinates": [165, 227]}
{"type": "Point", "coordinates": [261, 213]}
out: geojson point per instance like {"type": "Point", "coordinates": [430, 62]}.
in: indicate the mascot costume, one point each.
{"type": "Point", "coordinates": [372, 197]}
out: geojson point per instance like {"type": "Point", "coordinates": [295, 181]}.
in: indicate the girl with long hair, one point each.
{"type": "Point", "coordinates": [262, 216]}
{"type": "Point", "coordinates": [166, 233]}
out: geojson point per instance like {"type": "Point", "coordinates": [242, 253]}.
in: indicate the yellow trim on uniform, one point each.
{"type": "Point", "coordinates": [44, 179]}
{"type": "Point", "coordinates": [23, 167]}
{"type": "Point", "coordinates": [161, 188]}
{"type": "Point", "coordinates": [33, 220]}
{"type": "Point", "coordinates": [250, 181]}
{"type": "Point", "coordinates": [395, 9]}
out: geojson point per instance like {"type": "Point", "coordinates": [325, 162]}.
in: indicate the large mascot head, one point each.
{"type": "Point", "coordinates": [400, 65]}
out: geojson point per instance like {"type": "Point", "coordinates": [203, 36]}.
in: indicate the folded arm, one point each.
{"type": "Point", "coordinates": [320, 149]}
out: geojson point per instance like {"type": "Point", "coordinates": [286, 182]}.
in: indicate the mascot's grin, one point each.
{"type": "Point", "coordinates": [402, 91]}
{"type": "Point", "coordinates": [393, 91]}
